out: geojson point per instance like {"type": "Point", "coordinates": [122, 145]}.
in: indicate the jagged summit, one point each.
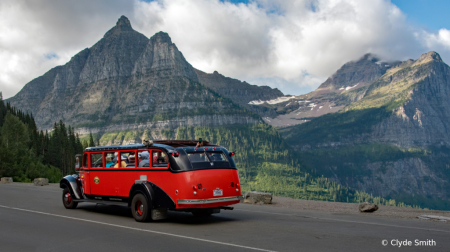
{"type": "Point", "coordinates": [123, 23]}
{"type": "Point", "coordinates": [429, 56]}
{"type": "Point", "coordinates": [161, 37]}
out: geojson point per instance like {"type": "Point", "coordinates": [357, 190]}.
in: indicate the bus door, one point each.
{"type": "Point", "coordinates": [84, 175]}
{"type": "Point", "coordinates": [127, 175]}
{"type": "Point", "coordinates": [101, 174]}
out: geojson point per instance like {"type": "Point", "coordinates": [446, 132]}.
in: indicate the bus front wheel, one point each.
{"type": "Point", "coordinates": [67, 199]}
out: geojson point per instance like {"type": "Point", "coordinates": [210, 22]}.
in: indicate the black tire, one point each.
{"type": "Point", "coordinates": [202, 212]}
{"type": "Point", "coordinates": [68, 199]}
{"type": "Point", "coordinates": [140, 208]}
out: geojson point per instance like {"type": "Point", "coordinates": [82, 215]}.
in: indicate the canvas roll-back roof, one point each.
{"type": "Point", "coordinates": [159, 144]}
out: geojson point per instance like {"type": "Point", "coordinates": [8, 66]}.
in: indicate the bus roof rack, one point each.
{"type": "Point", "coordinates": [167, 144]}
{"type": "Point", "coordinates": [183, 143]}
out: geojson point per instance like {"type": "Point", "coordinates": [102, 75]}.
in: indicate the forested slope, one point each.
{"type": "Point", "coordinates": [26, 154]}
{"type": "Point", "coordinates": [267, 163]}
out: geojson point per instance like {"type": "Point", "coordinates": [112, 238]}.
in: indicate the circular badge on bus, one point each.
{"type": "Point", "coordinates": [96, 180]}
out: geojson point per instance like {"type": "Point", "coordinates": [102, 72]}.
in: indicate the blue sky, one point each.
{"type": "Point", "coordinates": [433, 14]}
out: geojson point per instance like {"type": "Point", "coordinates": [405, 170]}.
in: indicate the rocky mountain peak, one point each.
{"type": "Point", "coordinates": [161, 37]}
{"type": "Point", "coordinates": [362, 71]}
{"type": "Point", "coordinates": [122, 25]}
{"type": "Point", "coordinates": [429, 56]}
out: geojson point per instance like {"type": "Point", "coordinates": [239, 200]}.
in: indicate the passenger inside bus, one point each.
{"type": "Point", "coordinates": [159, 159]}
{"type": "Point", "coordinates": [131, 160]}
{"type": "Point", "coordinates": [123, 162]}
{"type": "Point", "coordinates": [109, 162]}
{"type": "Point", "coordinates": [214, 156]}
{"type": "Point", "coordinates": [144, 159]}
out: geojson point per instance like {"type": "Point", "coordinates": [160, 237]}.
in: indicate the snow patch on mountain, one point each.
{"type": "Point", "coordinates": [273, 101]}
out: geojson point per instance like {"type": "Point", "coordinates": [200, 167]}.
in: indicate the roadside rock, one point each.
{"type": "Point", "coordinates": [6, 180]}
{"type": "Point", "coordinates": [257, 198]}
{"type": "Point", "coordinates": [368, 207]}
{"type": "Point", "coordinates": [40, 181]}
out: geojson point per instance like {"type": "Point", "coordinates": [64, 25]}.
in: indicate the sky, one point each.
{"type": "Point", "coordinates": [290, 45]}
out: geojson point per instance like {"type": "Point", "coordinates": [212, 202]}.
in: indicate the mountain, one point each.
{"type": "Point", "coordinates": [240, 92]}
{"type": "Point", "coordinates": [347, 85]}
{"type": "Point", "coordinates": [129, 82]}
{"type": "Point", "coordinates": [393, 141]}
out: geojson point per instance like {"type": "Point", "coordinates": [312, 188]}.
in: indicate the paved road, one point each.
{"type": "Point", "coordinates": [34, 219]}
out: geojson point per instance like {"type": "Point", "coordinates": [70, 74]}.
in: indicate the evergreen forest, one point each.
{"type": "Point", "coordinates": [26, 153]}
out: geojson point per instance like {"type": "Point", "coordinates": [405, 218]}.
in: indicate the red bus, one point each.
{"type": "Point", "coordinates": [154, 177]}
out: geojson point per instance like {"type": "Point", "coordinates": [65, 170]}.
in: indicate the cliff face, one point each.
{"type": "Point", "coordinates": [127, 80]}
{"type": "Point", "coordinates": [424, 118]}
{"type": "Point", "coordinates": [240, 92]}
{"type": "Point", "coordinates": [393, 140]}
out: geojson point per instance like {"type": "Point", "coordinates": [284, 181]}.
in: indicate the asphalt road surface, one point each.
{"type": "Point", "coordinates": [34, 219]}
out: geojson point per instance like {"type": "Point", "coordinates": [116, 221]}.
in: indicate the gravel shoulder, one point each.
{"type": "Point", "coordinates": [352, 208]}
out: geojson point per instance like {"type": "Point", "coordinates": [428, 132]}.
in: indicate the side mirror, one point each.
{"type": "Point", "coordinates": [78, 158]}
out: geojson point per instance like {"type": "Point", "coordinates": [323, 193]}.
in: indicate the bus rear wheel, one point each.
{"type": "Point", "coordinates": [67, 199]}
{"type": "Point", "coordinates": [140, 208]}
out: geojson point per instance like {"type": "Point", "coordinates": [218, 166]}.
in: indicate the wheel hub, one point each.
{"type": "Point", "coordinates": [139, 208]}
{"type": "Point", "coordinates": [68, 198]}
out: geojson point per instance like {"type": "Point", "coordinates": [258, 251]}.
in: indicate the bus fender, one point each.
{"type": "Point", "coordinates": [158, 197]}
{"type": "Point", "coordinates": [70, 182]}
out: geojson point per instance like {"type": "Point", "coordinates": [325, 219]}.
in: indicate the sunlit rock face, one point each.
{"type": "Point", "coordinates": [393, 140]}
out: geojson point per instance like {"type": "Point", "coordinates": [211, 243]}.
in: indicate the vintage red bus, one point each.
{"type": "Point", "coordinates": [154, 177]}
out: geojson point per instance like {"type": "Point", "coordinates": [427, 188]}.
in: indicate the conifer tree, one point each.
{"type": "Point", "coordinates": [91, 141]}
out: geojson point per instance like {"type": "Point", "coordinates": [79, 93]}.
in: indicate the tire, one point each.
{"type": "Point", "coordinates": [67, 199]}
{"type": "Point", "coordinates": [202, 212]}
{"type": "Point", "coordinates": [140, 208]}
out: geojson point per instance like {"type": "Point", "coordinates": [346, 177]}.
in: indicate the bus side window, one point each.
{"type": "Point", "coordinates": [96, 160]}
{"type": "Point", "coordinates": [143, 159]}
{"type": "Point", "coordinates": [109, 159]}
{"type": "Point", "coordinates": [128, 159]}
{"type": "Point", "coordinates": [85, 160]}
{"type": "Point", "coordinates": [159, 159]}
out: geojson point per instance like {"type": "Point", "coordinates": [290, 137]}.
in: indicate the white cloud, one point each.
{"type": "Point", "coordinates": [440, 40]}
{"type": "Point", "coordinates": [292, 45]}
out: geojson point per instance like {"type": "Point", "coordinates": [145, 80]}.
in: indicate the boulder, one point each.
{"type": "Point", "coordinates": [368, 207]}
{"type": "Point", "coordinates": [6, 180]}
{"type": "Point", "coordinates": [40, 181]}
{"type": "Point", "coordinates": [258, 198]}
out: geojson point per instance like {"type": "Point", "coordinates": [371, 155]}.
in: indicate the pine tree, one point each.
{"type": "Point", "coordinates": [91, 141]}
